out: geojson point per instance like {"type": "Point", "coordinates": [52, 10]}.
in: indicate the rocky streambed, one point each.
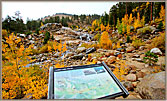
{"type": "Point", "coordinates": [139, 80]}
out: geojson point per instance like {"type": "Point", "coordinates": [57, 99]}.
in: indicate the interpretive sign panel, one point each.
{"type": "Point", "coordinates": [86, 82]}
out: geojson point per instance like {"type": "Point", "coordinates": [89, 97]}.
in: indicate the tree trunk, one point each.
{"type": "Point", "coordinates": [151, 12]}
{"type": "Point", "coordinates": [126, 8]}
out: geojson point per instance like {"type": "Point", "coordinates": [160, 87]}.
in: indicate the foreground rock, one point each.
{"type": "Point", "coordinates": [156, 51]}
{"type": "Point", "coordinates": [130, 49]}
{"type": "Point", "coordinates": [131, 77]}
{"type": "Point", "coordinates": [81, 49]}
{"type": "Point", "coordinates": [90, 50]}
{"type": "Point", "coordinates": [152, 86]}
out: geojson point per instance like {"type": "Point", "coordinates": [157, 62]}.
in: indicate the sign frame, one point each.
{"type": "Point", "coordinates": [124, 92]}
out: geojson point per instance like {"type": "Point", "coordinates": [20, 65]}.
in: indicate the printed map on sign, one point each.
{"type": "Point", "coordinates": [88, 83]}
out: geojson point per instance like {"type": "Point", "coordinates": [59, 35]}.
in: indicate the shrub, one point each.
{"type": "Point", "coordinates": [137, 43]}
{"type": "Point", "coordinates": [47, 37]}
{"type": "Point", "coordinates": [44, 49]}
{"type": "Point", "coordinates": [86, 45]}
{"type": "Point", "coordinates": [150, 58]}
{"type": "Point", "coordinates": [97, 36]}
{"type": "Point", "coordinates": [4, 33]}
{"type": "Point", "coordinates": [160, 26]}
{"type": "Point", "coordinates": [37, 31]}
{"type": "Point", "coordinates": [35, 51]}
{"type": "Point", "coordinates": [128, 39]}
{"type": "Point", "coordinates": [120, 71]}
{"type": "Point", "coordinates": [158, 42]}
{"type": "Point", "coordinates": [52, 37]}
{"type": "Point", "coordinates": [105, 41]}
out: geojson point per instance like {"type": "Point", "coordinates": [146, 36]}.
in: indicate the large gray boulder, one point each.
{"type": "Point", "coordinates": [152, 86]}
{"type": "Point", "coordinates": [81, 49]}
{"type": "Point", "coordinates": [156, 51]}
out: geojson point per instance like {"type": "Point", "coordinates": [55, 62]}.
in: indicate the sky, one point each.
{"type": "Point", "coordinates": [35, 10]}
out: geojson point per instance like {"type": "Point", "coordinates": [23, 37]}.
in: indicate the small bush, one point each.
{"type": "Point", "coordinates": [150, 58]}
{"type": "Point", "coordinates": [47, 37]}
{"type": "Point", "coordinates": [35, 51]}
{"type": "Point", "coordinates": [37, 31]}
{"type": "Point", "coordinates": [44, 49]}
{"type": "Point", "coordinates": [128, 39]}
{"type": "Point", "coordinates": [52, 37]}
{"type": "Point", "coordinates": [120, 71]}
{"type": "Point", "coordinates": [137, 43]}
{"type": "Point", "coordinates": [86, 45]}
{"type": "Point", "coordinates": [105, 41]}
{"type": "Point", "coordinates": [160, 26]}
{"type": "Point", "coordinates": [4, 33]}
{"type": "Point", "coordinates": [158, 42]}
{"type": "Point", "coordinates": [97, 37]}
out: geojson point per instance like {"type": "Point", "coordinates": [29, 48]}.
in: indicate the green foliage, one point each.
{"type": "Point", "coordinates": [52, 37]}
{"type": "Point", "coordinates": [28, 33]}
{"type": "Point", "coordinates": [13, 24]}
{"type": "Point", "coordinates": [47, 37]}
{"type": "Point", "coordinates": [128, 39]}
{"type": "Point", "coordinates": [160, 26]}
{"type": "Point", "coordinates": [97, 37]}
{"type": "Point", "coordinates": [150, 58]}
{"type": "Point", "coordinates": [137, 43]}
{"type": "Point", "coordinates": [37, 31]}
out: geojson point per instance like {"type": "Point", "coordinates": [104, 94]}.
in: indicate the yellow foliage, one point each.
{"type": "Point", "coordinates": [128, 29]}
{"type": "Point", "coordinates": [162, 13]}
{"type": "Point", "coordinates": [158, 42]}
{"type": "Point", "coordinates": [137, 43]}
{"type": "Point", "coordinates": [118, 45]}
{"type": "Point", "coordinates": [18, 80]}
{"type": "Point", "coordinates": [114, 46]}
{"type": "Point", "coordinates": [156, 69]}
{"type": "Point", "coordinates": [130, 19]}
{"type": "Point", "coordinates": [120, 71]}
{"type": "Point", "coordinates": [41, 24]}
{"type": "Point", "coordinates": [86, 45]}
{"type": "Point", "coordinates": [108, 27]}
{"type": "Point", "coordinates": [4, 33]}
{"type": "Point", "coordinates": [105, 41]}
{"type": "Point", "coordinates": [102, 27]}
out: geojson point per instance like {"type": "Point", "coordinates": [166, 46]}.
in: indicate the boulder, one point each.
{"type": "Point", "coordinates": [77, 57]}
{"type": "Point", "coordinates": [131, 77]}
{"type": "Point", "coordinates": [110, 52]}
{"type": "Point", "coordinates": [130, 49]}
{"type": "Point", "coordinates": [22, 35]}
{"type": "Point", "coordinates": [156, 51]}
{"type": "Point", "coordinates": [90, 50]}
{"type": "Point", "coordinates": [152, 86]}
{"type": "Point", "coordinates": [81, 49]}
{"type": "Point", "coordinates": [100, 50]}
{"type": "Point", "coordinates": [136, 56]}
{"type": "Point", "coordinates": [141, 48]}
{"type": "Point", "coordinates": [120, 49]}
{"type": "Point", "coordinates": [140, 74]}
{"type": "Point", "coordinates": [56, 55]}
{"type": "Point", "coordinates": [128, 86]}
{"type": "Point", "coordinates": [111, 60]}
